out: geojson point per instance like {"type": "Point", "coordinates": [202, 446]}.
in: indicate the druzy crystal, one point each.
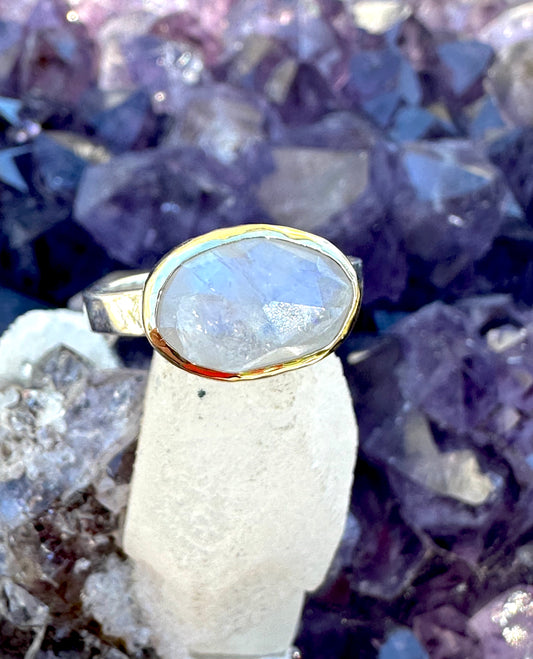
{"type": "Point", "coordinates": [254, 303]}
{"type": "Point", "coordinates": [504, 625]}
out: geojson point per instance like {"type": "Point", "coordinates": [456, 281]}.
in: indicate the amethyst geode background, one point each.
{"type": "Point", "coordinates": [402, 131]}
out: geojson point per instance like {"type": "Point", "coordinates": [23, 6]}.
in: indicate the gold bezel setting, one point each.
{"type": "Point", "coordinates": [188, 250]}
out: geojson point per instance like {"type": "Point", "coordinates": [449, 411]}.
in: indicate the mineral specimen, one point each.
{"type": "Point", "coordinates": [504, 624]}
{"type": "Point", "coordinates": [402, 132]}
{"type": "Point", "coordinates": [58, 543]}
{"type": "Point", "coordinates": [39, 331]}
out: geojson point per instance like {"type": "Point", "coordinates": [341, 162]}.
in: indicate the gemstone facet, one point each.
{"type": "Point", "coordinates": [254, 303]}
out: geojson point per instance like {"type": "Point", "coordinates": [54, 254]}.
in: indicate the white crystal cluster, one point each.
{"type": "Point", "coordinates": [108, 597]}
{"type": "Point", "coordinates": [37, 332]}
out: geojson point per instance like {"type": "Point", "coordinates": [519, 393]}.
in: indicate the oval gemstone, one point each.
{"type": "Point", "coordinates": [253, 303]}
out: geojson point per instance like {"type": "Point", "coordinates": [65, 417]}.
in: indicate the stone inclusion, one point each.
{"type": "Point", "coordinates": [254, 303]}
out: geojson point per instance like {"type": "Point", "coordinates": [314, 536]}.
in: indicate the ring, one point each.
{"type": "Point", "coordinates": [237, 303]}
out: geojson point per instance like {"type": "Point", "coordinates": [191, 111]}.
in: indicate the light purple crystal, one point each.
{"type": "Point", "coordinates": [508, 27]}
{"type": "Point", "coordinates": [467, 17]}
{"type": "Point", "coordinates": [58, 60]}
{"type": "Point", "coordinates": [177, 194]}
{"type": "Point", "coordinates": [446, 199]}
{"type": "Point", "coordinates": [459, 379]}
{"type": "Point", "coordinates": [504, 625]}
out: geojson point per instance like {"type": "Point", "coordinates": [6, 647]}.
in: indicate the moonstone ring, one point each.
{"type": "Point", "coordinates": [237, 303]}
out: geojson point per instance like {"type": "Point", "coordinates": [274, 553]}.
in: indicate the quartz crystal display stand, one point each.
{"type": "Point", "coordinates": [238, 502]}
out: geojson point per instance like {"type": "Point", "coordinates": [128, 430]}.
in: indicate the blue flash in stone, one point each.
{"type": "Point", "coordinates": [254, 303]}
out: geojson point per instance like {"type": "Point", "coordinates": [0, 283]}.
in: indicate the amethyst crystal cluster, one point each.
{"type": "Point", "coordinates": [402, 131]}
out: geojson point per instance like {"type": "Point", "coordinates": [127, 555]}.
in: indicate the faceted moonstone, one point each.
{"type": "Point", "coordinates": [253, 303]}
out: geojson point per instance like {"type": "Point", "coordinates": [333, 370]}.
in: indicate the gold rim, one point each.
{"type": "Point", "coordinates": [188, 250]}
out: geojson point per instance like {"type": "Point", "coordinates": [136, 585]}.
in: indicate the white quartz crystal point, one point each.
{"type": "Point", "coordinates": [36, 332]}
{"type": "Point", "coordinates": [238, 502]}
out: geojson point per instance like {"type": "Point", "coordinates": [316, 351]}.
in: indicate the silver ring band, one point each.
{"type": "Point", "coordinates": [114, 303]}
